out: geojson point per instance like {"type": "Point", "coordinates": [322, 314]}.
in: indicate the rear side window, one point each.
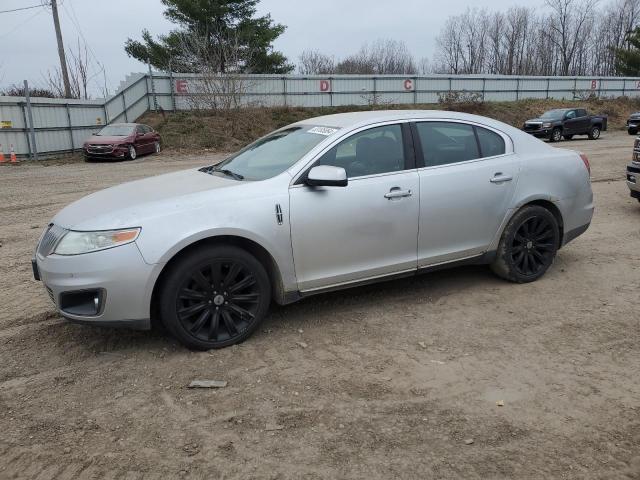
{"type": "Point", "coordinates": [444, 143]}
{"type": "Point", "coordinates": [491, 144]}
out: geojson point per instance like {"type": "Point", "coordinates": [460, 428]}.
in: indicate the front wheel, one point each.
{"type": "Point", "coordinates": [132, 152]}
{"type": "Point", "coordinates": [556, 135]}
{"type": "Point", "coordinates": [594, 133]}
{"type": "Point", "coordinates": [214, 297]}
{"type": "Point", "coordinates": [528, 245]}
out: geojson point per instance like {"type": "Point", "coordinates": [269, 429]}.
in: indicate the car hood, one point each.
{"type": "Point", "coordinates": [106, 140]}
{"type": "Point", "coordinates": [129, 204]}
{"type": "Point", "coordinates": [542, 120]}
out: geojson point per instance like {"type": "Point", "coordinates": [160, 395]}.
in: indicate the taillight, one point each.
{"type": "Point", "coordinates": [586, 162]}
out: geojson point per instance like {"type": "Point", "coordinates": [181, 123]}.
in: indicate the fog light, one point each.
{"type": "Point", "coordinates": [84, 303]}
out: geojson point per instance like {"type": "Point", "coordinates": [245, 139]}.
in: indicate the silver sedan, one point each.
{"type": "Point", "coordinates": [324, 204]}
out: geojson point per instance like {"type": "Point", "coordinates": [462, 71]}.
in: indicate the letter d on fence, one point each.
{"type": "Point", "coordinates": [181, 86]}
{"type": "Point", "coordinates": [325, 85]}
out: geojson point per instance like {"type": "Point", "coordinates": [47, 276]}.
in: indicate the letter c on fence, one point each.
{"type": "Point", "coordinates": [181, 86]}
{"type": "Point", "coordinates": [325, 85]}
{"type": "Point", "coordinates": [408, 85]}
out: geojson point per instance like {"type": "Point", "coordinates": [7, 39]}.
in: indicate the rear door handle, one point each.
{"type": "Point", "coordinates": [397, 193]}
{"type": "Point", "coordinates": [500, 178]}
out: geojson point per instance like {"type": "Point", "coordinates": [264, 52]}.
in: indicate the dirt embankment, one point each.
{"type": "Point", "coordinates": [229, 131]}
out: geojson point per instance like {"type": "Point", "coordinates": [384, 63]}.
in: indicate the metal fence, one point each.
{"type": "Point", "coordinates": [63, 125]}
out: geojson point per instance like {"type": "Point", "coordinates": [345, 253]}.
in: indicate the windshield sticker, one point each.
{"type": "Point", "coordinates": [326, 131]}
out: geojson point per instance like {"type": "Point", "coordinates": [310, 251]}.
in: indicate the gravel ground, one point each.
{"type": "Point", "coordinates": [454, 374]}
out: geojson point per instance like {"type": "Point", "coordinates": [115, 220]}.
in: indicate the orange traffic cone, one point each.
{"type": "Point", "coordinates": [1, 154]}
{"type": "Point", "coordinates": [12, 155]}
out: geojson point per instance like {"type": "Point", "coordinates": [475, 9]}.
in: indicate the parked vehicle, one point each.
{"type": "Point", "coordinates": [566, 123]}
{"type": "Point", "coordinates": [324, 204]}
{"type": "Point", "coordinates": [122, 140]}
{"type": "Point", "coordinates": [633, 123]}
{"type": "Point", "coordinates": [633, 171]}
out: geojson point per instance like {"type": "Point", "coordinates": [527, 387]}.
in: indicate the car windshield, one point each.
{"type": "Point", "coordinates": [553, 114]}
{"type": "Point", "coordinates": [273, 154]}
{"type": "Point", "coordinates": [116, 131]}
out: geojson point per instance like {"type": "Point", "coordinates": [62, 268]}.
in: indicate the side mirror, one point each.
{"type": "Point", "coordinates": [327, 176]}
{"type": "Point", "coordinates": [139, 134]}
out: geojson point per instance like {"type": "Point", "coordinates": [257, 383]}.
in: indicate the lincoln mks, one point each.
{"type": "Point", "coordinates": [324, 204]}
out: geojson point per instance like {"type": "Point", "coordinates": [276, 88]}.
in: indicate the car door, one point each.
{"type": "Point", "coordinates": [140, 140]}
{"type": "Point", "coordinates": [583, 121]}
{"type": "Point", "coordinates": [571, 124]}
{"type": "Point", "coordinates": [467, 182]}
{"type": "Point", "coordinates": [367, 229]}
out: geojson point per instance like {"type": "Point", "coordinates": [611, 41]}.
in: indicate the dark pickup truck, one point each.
{"type": "Point", "coordinates": [633, 124]}
{"type": "Point", "coordinates": [566, 122]}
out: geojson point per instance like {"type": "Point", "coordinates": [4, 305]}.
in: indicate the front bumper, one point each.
{"type": "Point", "coordinates": [119, 274]}
{"type": "Point", "coordinates": [633, 179]}
{"type": "Point", "coordinates": [117, 153]}
{"type": "Point", "coordinates": [543, 133]}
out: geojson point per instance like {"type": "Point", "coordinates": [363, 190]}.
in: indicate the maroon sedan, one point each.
{"type": "Point", "coordinates": [122, 140]}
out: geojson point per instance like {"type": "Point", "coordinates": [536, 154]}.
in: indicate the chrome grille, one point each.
{"type": "Point", "coordinates": [100, 148]}
{"type": "Point", "coordinates": [50, 239]}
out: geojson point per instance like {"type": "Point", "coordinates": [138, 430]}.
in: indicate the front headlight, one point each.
{"type": "Point", "coordinates": [76, 243]}
{"type": "Point", "coordinates": [546, 125]}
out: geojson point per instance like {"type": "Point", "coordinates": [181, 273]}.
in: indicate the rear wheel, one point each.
{"type": "Point", "coordinates": [556, 135]}
{"type": "Point", "coordinates": [528, 245]}
{"type": "Point", "coordinates": [132, 152]}
{"type": "Point", "coordinates": [594, 133]}
{"type": "Point", "coordinates": [214, 297]}
{"type": "Point", "coordinates": [157, 147]}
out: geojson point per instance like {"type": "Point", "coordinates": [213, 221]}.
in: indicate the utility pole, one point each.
{"type": "Point", "coordinates": [63, 59]}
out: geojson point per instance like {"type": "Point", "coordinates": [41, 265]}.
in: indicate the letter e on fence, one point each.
{"type": "Point", "coordinates": [408, 85]}
{"type": "Point", "coordinates": [325, 85]}
{"type": "Point", "coordinates": [181, 86]}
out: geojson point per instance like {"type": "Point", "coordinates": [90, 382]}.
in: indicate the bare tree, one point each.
{"type": "Point", "coordinates": [213, 90]}
{"type": "Point", "coordinates": [312, 62]}
{"type": "Point", "coordinates": [382, 57]}
{"type": "Point", "coordinates": [567, 23]}
{"type": "Point", "coordinates": [79, 68]}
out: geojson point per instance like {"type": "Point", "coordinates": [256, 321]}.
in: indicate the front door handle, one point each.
{"type": "Point", "coordinates": [500, 178]}
{"type": "Point", "coordinates": [397, 193]}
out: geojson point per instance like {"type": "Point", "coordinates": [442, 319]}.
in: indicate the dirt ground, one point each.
{"type": "Point", "coordinates": [397, 380]}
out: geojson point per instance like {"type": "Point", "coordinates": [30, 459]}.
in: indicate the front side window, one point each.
{"type": "Point", "coordinates": [371, 152]}
{"type": "Point", "coordinates": [275, 153]}
{"type": "Point", "coordinates": [444, 143]}
{"type": "Point", "coordinates": [571, 114]}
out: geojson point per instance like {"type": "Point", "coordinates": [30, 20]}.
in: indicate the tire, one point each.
{"type": "Point", "coordinates": [214, 297]}
{"type": "Point", "coordinates": [594, 133]}
{"type": "Point", "coordinates": [132, 152]}
{"type": "Point", "coordinates": [632, 132]}
{"type": "Point", "coordinates": [157, 147]}
{"type": "Point", "coordinates": [568, 137]}
{"type": "Point", "coordinates": [556, 135]}
{"type": "Point", "coordinates": [528, 245]}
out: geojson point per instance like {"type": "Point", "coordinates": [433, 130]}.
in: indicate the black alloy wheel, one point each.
{"type": "Point", "coordinates": [528, 245]}
{"type": "Point", "coordinates": [215, 297]}
{"type": "Point", "coordinates": [532, 248]}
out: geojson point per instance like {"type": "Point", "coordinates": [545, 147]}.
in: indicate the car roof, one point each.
{"type": "Point", "coordinates": [354, 120]}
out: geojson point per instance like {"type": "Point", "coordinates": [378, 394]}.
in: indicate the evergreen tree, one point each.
{"type": "Point", "coordinates": [225, 34]}
{"type": "Point", "coordinates": [628, 60]}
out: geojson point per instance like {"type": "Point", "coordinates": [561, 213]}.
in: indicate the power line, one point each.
{"type": "Point", "coordinates": [21, 8]}
{"type": "Point", "coordinates": [6, 34]}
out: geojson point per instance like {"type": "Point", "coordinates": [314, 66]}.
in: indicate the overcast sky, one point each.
{"type": "Point", "coordinates": [337, 27]}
